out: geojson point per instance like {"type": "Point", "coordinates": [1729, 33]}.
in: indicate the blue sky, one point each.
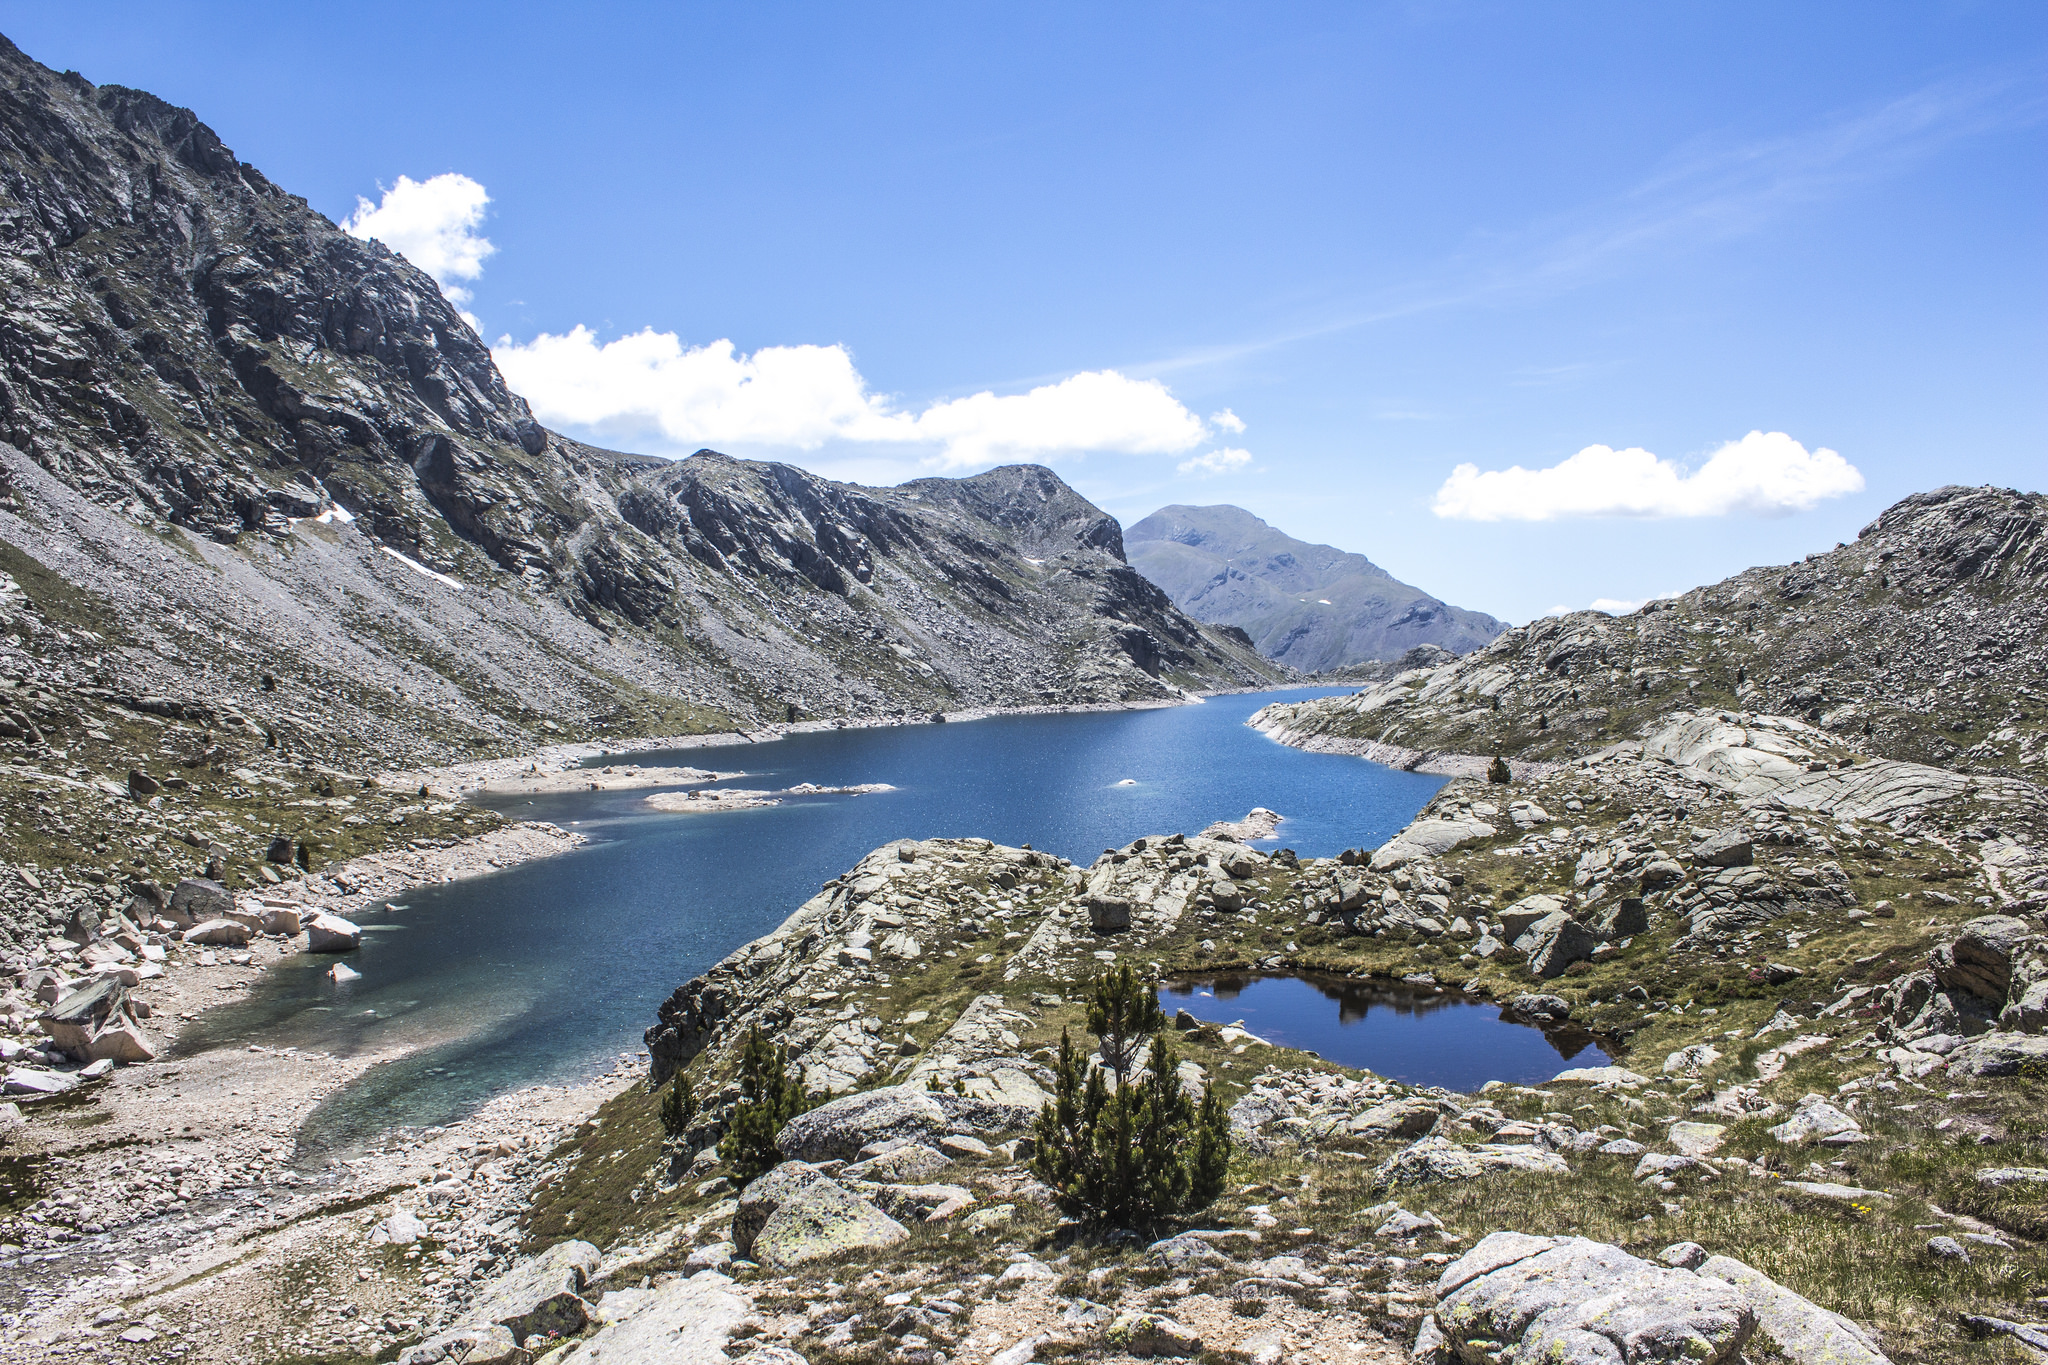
{"type": "Point", "coordinates": [1309, 259]}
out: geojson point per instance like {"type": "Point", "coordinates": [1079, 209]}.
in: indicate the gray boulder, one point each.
{"type": "Point", "coordinates": [196, 900]}
{"type": "Point", "coordinates": [1947, 1249]}
{"type": "Point", "coordinates": [836, 1131]}
{"type": "Point", "coordinates": [763, 1195]}
{"type": "Point", "coordinates": [1980, 959]}
{"type": "Point", "coordinates": [1727, 848]}
{"type": "Point", "coordinates": [219, 933]}
{"type": "Point", "coordinates": [1516, 919]}
{"type": "Point", "coordinates": [332, 934]}
{"type": "Point", "coordinates": [819, 1218]}
{"type": "Point", "coordinates": [1438, 1159]}
{"type": "Point", "coordinates": [685, 1322]}
{"type": "Point", "coordinates": [1396, 1119]}
{"type": "Point", "coordinates": [1621, 919]}
{"type": "Point", "coordinates": [1548, 1009]}
{"type": "Point", "coordinates": [1151, 1334]}
{"type": "Point", "coordinates": [540, 1295]}
{"type": "Point", "coordinates": [1998, 1054]}
{"type": "Point", "coordinates": [1803, 1331]}
{"type": "Point", "coordinates": [1187, 1254]}
{"type": "Point", "coordinates": [1814, 1120]}
{"type": "Point", "coordinates": [489, 1344]}
{"type": "Point", "coordinates": [1107, 914]}
{"type": "Point", "coordinates": [910, 1161]}
{"type": "Point", "coordinates": [1555, 943]}
{"type": "Point", "coordinates": [2028, 1012]}
{"type": "Point", "coordinates": [1570, 1301]}
{"type": "Point", "coordinates": [1427, 839]}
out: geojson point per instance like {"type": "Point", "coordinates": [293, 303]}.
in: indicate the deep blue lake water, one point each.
{"type": "Point", "coordinates": [544, 972]}
{"type": "Point", "coordinates": [1416, 1036]}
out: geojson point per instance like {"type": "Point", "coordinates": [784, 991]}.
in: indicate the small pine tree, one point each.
{"type": "Point", "coordinates": [1122, 1008]}
{"type": "Point", "coordinates": [769, 1098]}
{"type": "Point", "coordinates": [678, 1107]}
{"type": "Point", "coordinates": [1141, 1152]}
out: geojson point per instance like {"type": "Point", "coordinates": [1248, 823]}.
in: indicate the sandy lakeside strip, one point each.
{"type": "Point", "coordinates": [184, 1173]}
{"type": "Point", "coordinates": [564, 763]}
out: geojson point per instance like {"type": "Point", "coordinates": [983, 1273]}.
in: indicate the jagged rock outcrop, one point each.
{"type": "Point", "coordinates": [1312, 607]}
{"type": "Point", "coordinates": [237, 442]}
{"type": "Point", "coordinates": [1924, 640]}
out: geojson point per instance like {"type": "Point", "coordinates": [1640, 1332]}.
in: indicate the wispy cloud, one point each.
{"type": "Point", "coordinates": [1550, 376]}
{"type": "Point", "coordinates": [1709, 190]}
{"type": "Point", "coordinates": [1224, 460]}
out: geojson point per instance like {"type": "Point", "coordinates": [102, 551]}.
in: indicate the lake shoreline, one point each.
{"type": "Point", "coordinates": [552, 760]}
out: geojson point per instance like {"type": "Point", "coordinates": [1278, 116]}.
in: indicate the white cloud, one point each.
{"type": "Point", "coordinates": [1227, 420]}
{"type": "Point", "coordinates": [1763, 474]}
{"type": "Point", "coordinates": [1097, 410]}
{"type": "Point", "coordinates": [1214, 462]}
{"type": "Point", "coordinates": [649, 384]}
{"type": "Point", "coordinates": [432, 223]}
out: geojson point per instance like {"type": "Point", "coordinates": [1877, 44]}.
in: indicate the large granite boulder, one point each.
{"type": "Point", "coordinates": [902, 1161]}
{"type": "Point", "coordinates": [219, 933]}
{"type": "Point", "coordinates": [1554, 943]}
{"type": "Point", "coordinates": [1402, 1118]}
{"type": "Point", "coordinates": [1803, 1330]}
{"type": "Point", "coordinates": [1436, 1159]}
{"type": "Point", "coordinates": [795, 1214]}
{"type": "Point", "coordinates": [197, 900]}
{"type": "Point", "coordinates": [540, 1295]}
{"type": "Point", "coordinates": [1815, 1120]}
{"type": "Point", "coordinates": [98, 1023]}
{"type": "Point", "coordinates": [1516, 919]}
{"type": "Point", "coordinates": [1570, 1301]}
{"type": "Point", "coordinates": [332, 934]}
{"type": "Point", "coordinates": [1725, 848]}
{"type": "Point", "coordinates": [1427, 839]}
{"type": "Point", "coordinates": [683, 1322]}
{"type": "Point", "coordinates": [489, 1344]}
{"type": "Point", "coordinates": [836, 1131]}
{"type": "Point", "coordinates": [763, 1195]}
{"type": "Point", "coordinates": [1980, 960]}
{"type": "Point", "coordinates": [1999, 1054]}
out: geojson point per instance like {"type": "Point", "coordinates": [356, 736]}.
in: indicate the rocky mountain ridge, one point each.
{"type": "Point", "coordinates": [195, 366]}
{"type": "Point", "coordinates": [1312, 607]}
{"type": "Point", "coordinates": [1924, 640]}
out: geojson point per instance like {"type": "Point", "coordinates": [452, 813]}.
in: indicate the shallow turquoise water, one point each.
{"type": "Point", "coordinates": [540, 973]}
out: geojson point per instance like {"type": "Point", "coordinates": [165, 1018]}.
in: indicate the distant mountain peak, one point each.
{"type": "Point", "coordinates": [1314, 607]}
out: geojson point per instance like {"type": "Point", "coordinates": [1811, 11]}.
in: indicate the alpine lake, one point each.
{"type": "Point", "coordinates": [547, 972]}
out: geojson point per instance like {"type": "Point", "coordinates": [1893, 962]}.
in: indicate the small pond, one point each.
{"type": "Point", "coordinates": [1418, 1036]}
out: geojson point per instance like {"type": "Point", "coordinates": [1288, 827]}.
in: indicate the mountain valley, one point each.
{"type": "Point", "coordinates": [296, 596]}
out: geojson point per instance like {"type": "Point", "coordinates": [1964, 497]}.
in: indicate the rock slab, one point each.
{"type": "Point", "coordinates": [1571, 1301]}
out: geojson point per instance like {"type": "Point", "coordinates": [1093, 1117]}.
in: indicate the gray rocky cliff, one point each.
{"type": "Point", "coordinates": [1925, 639]}
{"type": "Point", "coordinates": [239, 442]}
